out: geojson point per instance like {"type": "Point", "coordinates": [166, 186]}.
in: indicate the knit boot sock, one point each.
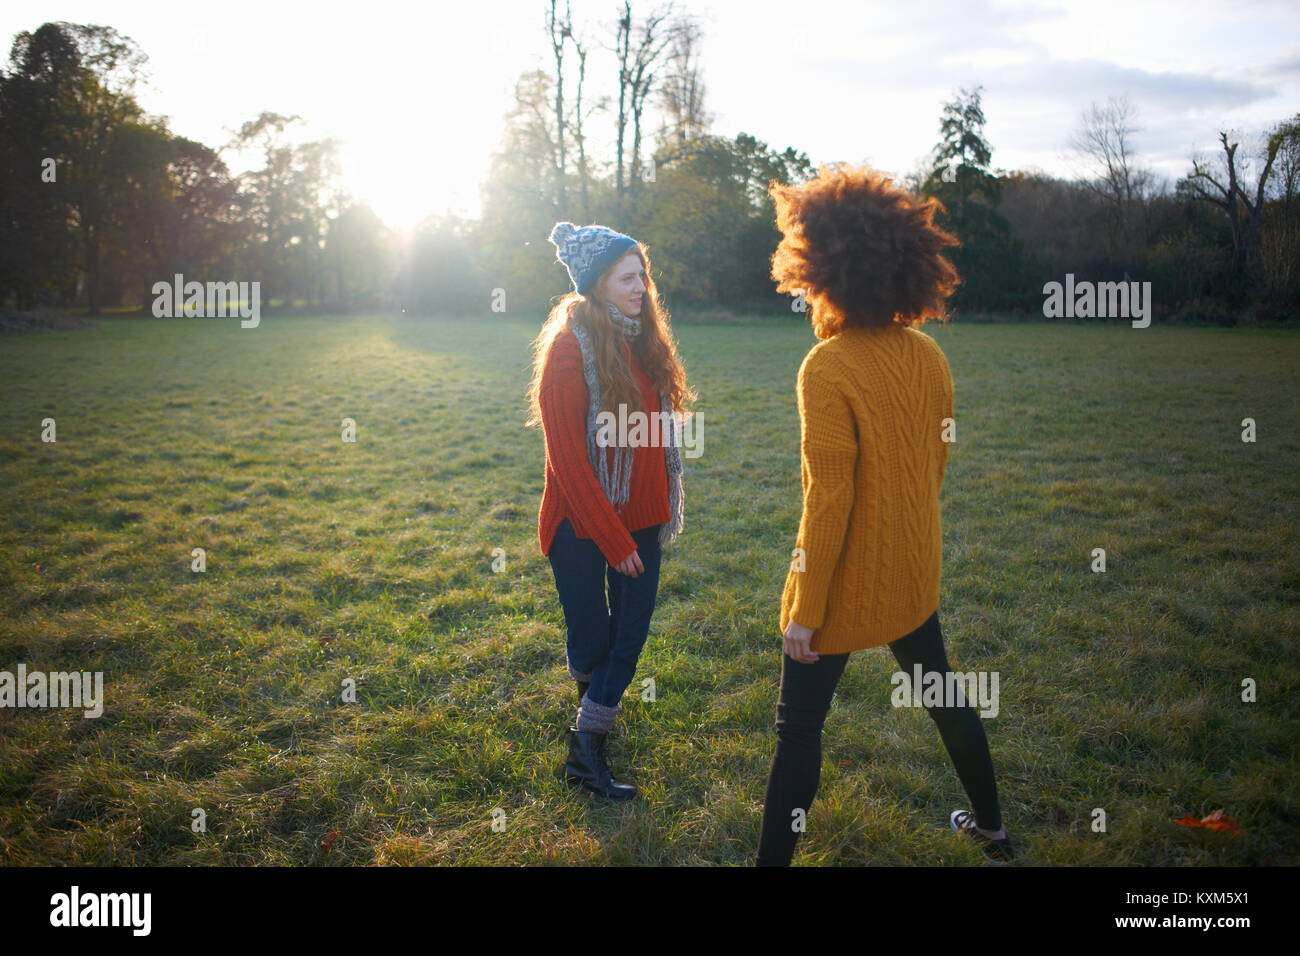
{"type": "Point", "coordinates": [596, 717]}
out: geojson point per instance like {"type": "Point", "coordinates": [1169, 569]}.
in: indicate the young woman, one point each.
{"type": "Point", "coordinates": [875, 400]}
{"type": "Point", "coordinates": [611, 501]}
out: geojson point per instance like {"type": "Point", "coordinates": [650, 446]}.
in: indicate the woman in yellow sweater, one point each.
{"type": "Point", "coordinates": [876, 415]}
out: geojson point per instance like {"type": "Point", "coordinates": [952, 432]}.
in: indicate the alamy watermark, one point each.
{"type": "Point", "coordinates": [953, 689]}
{"type": "Point", "coordinates": [59, 689]}
{"type": "Point", "coordinates": [1100, 300]}
{"type": "Point", "coordinates": [639, 429]}
{"type": "Point", "coordinates": [75, 908]}
{"type": "Point", "coordinates": [213, 300]}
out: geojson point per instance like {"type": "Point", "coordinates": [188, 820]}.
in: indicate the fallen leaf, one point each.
{"type": "Point", "coordinates": [1212, 821]}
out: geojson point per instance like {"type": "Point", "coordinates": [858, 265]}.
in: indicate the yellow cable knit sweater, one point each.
{"type": "Point", "coordinates": [871, 409]}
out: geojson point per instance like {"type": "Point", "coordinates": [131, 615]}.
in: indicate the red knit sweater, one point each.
{"type": "Point", "coordinates": [572, 489]}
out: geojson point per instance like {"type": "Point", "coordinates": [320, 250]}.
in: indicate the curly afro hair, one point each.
{"type": "Point", "coordinates": [863, 251]}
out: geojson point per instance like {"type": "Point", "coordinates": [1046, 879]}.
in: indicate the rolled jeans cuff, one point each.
{"type": "Point", "coordinates": [574, 672]}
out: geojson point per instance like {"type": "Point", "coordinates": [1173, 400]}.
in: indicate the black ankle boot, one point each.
{"type": "Point", "coordinates": [588, 768]}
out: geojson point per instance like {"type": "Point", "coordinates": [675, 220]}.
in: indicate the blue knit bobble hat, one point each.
{"type": "Point", "coordinates": [588, 251]}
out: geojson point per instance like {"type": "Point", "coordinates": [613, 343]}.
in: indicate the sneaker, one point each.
{"type": "Point", "coordinates": [999, 851]}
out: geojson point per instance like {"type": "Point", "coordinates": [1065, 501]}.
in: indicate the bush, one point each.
{"type": "Point", "coordinates": [1203, 312]}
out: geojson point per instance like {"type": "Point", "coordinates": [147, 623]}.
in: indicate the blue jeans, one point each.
{"type": "Point", "coordinates": [604, 642]}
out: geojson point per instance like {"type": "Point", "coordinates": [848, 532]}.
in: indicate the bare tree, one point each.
{"type": "Point", "coordinates": [636, 74]}
{"type": "Point", "coordinates": [657, 34]}
{"type": "Point", "coordinates": [569, 124]}
{"type": "Point", "coordinates": [530, 139]}
{"type": "Point", "coordinates": [1287, 166]}
{"type": "Point", "coordinates": [623, 50]}
{"type": "Point", "coordinates": [1106, 140]}
{"type": "Point", "coordinates": [682, 89]}
{"type": "Point", "coordinates": [1233, 198]}
{"type": "Point", "coordinates": [914, 179]}
{"type": "Point", "coordinates": [560, 32]}
{"type": "Point", "coordinates": [579, 136]}
{"type": "Point", "coordinates": [1279, 240]}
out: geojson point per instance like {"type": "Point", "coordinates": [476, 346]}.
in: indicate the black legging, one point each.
{"type": "Point", "coordinates": [806, 691]}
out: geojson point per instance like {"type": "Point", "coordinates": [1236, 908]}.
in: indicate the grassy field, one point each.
{"type": "Point", "coordinates": [329, 561]}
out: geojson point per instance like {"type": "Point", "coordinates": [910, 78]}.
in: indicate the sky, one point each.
{"type": "Point", "coordinates": [418, 92]}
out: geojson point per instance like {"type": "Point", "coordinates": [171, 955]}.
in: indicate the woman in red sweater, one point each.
{"type": "Point", "coordinates": [607, 390]}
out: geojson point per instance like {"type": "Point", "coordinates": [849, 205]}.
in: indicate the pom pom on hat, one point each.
{"type": "Point", "coordinates": [561, 233]}
{"type": "Point", "coordinates": [588, 251]}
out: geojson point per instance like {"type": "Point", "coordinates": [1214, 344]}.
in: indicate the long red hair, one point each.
{"type": "Point", "coordinates": [655, 347]}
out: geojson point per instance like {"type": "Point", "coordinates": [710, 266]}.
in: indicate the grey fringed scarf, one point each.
{"type": "Point", "coordinates": [614, 481]}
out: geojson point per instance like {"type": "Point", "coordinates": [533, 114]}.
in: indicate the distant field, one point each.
{"type": "Point", "coordinates": [373, 561]}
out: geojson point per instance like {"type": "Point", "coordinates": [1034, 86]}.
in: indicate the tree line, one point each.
{"type": "Point", "coordinates": [98, 200]}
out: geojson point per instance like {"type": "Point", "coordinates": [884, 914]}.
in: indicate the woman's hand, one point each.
{"type": "Point", "coordinates": [796, 642]}
{"type": "Point", "coordinates": [631, 565]}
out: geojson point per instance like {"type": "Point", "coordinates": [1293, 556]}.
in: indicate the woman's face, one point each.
{"type": "Point", "coordinates": [624, 285]}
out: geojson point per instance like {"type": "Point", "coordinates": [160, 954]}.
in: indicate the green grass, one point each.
{"type": "Point", "coordinates": [373, 561]}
